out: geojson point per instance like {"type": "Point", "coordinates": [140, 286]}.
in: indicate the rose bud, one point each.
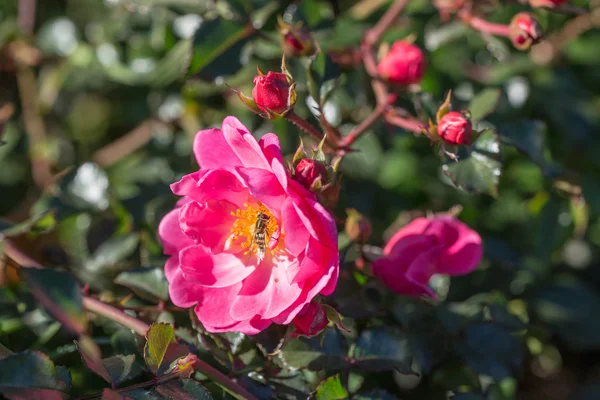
{"type": "Point", "coordinates": [358, 227]}
{"type": "Point", "coordinates": [455, 128]}
{"type": "Point", "coordinates": [403, 65]}
{"type": "Point", "coordinates": [272, 93]}
{"type": "Point", "coordinates": [524, 31]}
{"type": "Point", "coordinates": [547, 3]}
{"type": "Point", "coordinates": [310, 173]}
{"type": "Point", "coordinates": [310, 321]}
{"type": "Point", "coordinates": [296, 40]}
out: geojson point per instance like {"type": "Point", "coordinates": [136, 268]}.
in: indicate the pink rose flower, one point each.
{"type": "Point", "coordinates": [249, 246]}
{"type": "Point", "coordinates": [442, 245]}
{"type": "Point", "coordinates": [310, 321]}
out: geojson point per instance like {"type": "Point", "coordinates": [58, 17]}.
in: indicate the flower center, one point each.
{"type": "Point", "coordinates": [258, 225]}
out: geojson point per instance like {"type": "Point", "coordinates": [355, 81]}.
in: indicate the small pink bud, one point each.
{"type": "Point", "coordinates": [272, 92]}
{"type": "Point", "coordinates": [310, 321]}
{"type": "Point", "coordinates": [524, 31]}
{"type": "Point", "coordinates": [403, 65]}
{"type": "Point", "coordinates": [358, 227]}
{"type": "Point", "coordinates": [547, 3]}
{"type": "Point", "coordinates": [308, 171]}
{"type": "Point", "coordinates": [455, 128]}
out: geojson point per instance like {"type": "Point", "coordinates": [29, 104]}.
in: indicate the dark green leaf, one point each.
{"type": "Point", "coordinates": [30, 375]}
{"type": "Point", "coordinates": [316, 353]}
{"type": "Point", "coordinates": [58, 293]}
{"type": "Point", "coordinates": [184, 389]}
{"type": "Point", "coordinates": [119, 367]}
{"type": "Point", "coordinates": [381, 350]}
{"type": "Point", "coordinates": [92, 357]}
{"type": "Point", "coordinates": [484, 103]}
{"type": "Point", "coordinates": [375, 395]}
{"type": "Point", "coordinates": [477, 171]}
{"type": "Point", "coordinates": [114, 250]}
{"type": "Point", "coordinates": [591, 192]}
{"type": "Point", "coordinates": [42, 222]}
{"type": "Point", "coordinates": [149, 283]}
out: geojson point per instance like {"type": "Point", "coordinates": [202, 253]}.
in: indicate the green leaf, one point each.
{"type": "Point", "coordinates": [316, 353]}
{"type": "Point", "coordinates": [119, 367]}
{"type": "Point", "coordinates": [468, 396]}
{"type": "Point", "coordinates": [478, 170]}
{"type": "Point", "coordinates": [380, 350]}
{"type": "Point", "coordinates": [113, 251]}
{"type": "Point", "coordinates": [331, 389]}
{"type": "Point", "coordinates": [528, 137]}
{"type": "Point", "coordinates": [59, 293]}
{"type": "Point", "coordinates": [591, 192]}
{"type": "Point", "coordinates": [377, 394]}
{"type": "Point", "coordinates": [161, 348]}
{"type": "Point", "coordinates": [565, 307]}
{"type": "Point", "coordinates": [184, 389]}
{"type": "Point", "coordinates": [321, 75]}
{"type": "Point", "coordinates": [490, 350]}
{"type": "Point", "coordinates": [170, 68]}
{"type": "Point", "coordinates": [30, 375]}
{"type": "Point", "coordinates": [484, 103]}
{"type": "Point", "coordinates": [92, 357]}
{"type": "Point", "coordinates": [148, 283]}
{"type": "Point", "coordinates": [214, 41]}
{"type": "Point", "coordinates": [42, 223]}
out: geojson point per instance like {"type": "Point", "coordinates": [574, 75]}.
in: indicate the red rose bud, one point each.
{"type": "Point", "coordinates": [308, 171]}
{"type": "Point", "coordinates": [455, 128]}
{"type": "Point", "coordinates": [296, 40]}
{"type": "Point", "coordinates": [358, 227]}
{"type": "Point", "coordinates": [271, 92]}
{"type": "Point", "coordinates": [524, 31]}
{"type": "Point", "coordinates": [310, 321]}
{"type": "Point", "coordinates": [403, 65]}
{"type": "Point", "coordinates": [547, 3]}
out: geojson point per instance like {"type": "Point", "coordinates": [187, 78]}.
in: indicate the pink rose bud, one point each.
{"type": "Point", "coordinates": [310, 321]}
{"type": "Point", "coordinates": [423, 248]}
{"type": "Point", "coordinates": [547, 3]}
{"type": "Point", "coordinates": [403, 65]}
{"type": "Point", "coordinates": [524, 31]}
{"type": "Point", "coordinates": [455, 128]}
{"type": "Point", "coordinates": [358, 227]}
{"type": "Point", "coordinates": [308, 171]}
{"type": "Point", "coordinates": [272, 92]}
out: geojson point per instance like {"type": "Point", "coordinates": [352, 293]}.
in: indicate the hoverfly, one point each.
{"type": "Point", "coordinates": [259, 235]}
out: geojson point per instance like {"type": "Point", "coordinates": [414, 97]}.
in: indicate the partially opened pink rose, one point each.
{"type": "Point", "coordinates": [248, 245]}
{"type": "Point", "coordinates": [441, 245]}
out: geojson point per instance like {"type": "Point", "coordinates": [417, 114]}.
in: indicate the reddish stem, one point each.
{"type": "Point", "coordinates": [407, 123]}
{"type": "Point", "coordinates": [304, 125]}
{"type": "Point", "coordinates": [482, 25]}
{"type": "Point", "coordinates": [349, 139]}
{"type": "Point", "coordinates": [373, 35]}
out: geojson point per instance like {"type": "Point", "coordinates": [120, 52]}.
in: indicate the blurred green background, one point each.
{"type": "Point", "coordinates": [100, 100]}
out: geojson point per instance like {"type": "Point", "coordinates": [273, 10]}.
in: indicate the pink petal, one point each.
{"type": "Point", "coordinates": [296, 241]}
{"type": "Point", "coordinates": [265, 293]}
{"type": "Point", "coordinates": [269, 144]}
{"type": "Point", "coordinates": [182, 292]}
{"type": "Point", "coordinates": [462, 256]}
{"type": "Point", "coordinates": [416, 227]}
{"type": "Point", "coordinates": [170, 233]}
{"type": "Point", "coordinates": [219, 184]}
{"type": "Point", "coordinates": [210, 223]}
{"type": "Point", "coordinates": [422, 268]}
{"type": "Point", "coordinates": [171, 266]}
{"type": "Point", "coordinates": [264, 187]}
{"type": "Point", "coordinates": [317, 221]}
{"type": "Point", "coordinates": [243, 144]}
{"type": "Point", "coordinates": [399, 283]}
{"type": "Point", "coordinates": [213, 270]}
{"type": "Point", "coordinates": [213, 151]}
{"type": "Point", "coordinates": [187, 183]}
{"type": "Point", "coordinates": [314, 261]}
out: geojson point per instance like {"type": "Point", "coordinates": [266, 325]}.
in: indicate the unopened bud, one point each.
{"type": "Point", "coordinates": [310, 173]}
{"type": "Point", "coordinates": [358, 227]}
{"type": "Point", "coordinates": [310, 321]}
{"type": "Point", "coordinates": [524, 31]}
{"type": "Point", "coordinates": [296, 39]}
{"type": "Point", "coordinates": [403, 65]}
{"type": "Point", "coordinates": [455, 128]}
{"type": "Point", "coordinates": [271, 92]}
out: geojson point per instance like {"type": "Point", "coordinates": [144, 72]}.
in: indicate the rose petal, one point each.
{"type": "Point", "coordinates": [296, 241]}
{"type": "Point", "coordinates": [170, 233]}
{"type": "Point", "coordinates": [243, 144]}
{"type": "Point", "coordinates": [210, 223]}
{"type": "Point", "coordinates": [213, 270]}
{"type": "Point", "coordinates": [182, 292]}
{"type": "Point", "coordinates": [264, 187]}
{"type": "Point", "coordinates": [213, 151]}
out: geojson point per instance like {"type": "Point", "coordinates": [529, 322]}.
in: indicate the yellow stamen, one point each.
{"type": "Point", "coordinates": [245, 224]}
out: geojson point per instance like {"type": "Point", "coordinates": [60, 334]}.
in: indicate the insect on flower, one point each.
{"type": "Point", "coordinates": [259, 235]}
